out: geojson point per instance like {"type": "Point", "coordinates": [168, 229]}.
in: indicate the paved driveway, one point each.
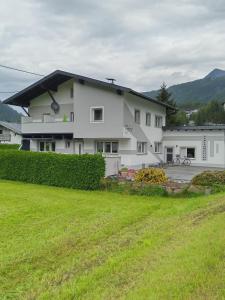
{"type": "Point", "coordinates": [185, 174]}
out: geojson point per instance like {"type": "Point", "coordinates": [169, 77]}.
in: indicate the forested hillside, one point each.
{"type": "Point", "coordinates": [194, 93]}
{"type": "Point", "coordinates": [8, 114]}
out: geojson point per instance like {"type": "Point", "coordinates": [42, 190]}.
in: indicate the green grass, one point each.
{"type": "Point", "coordinates": [59, 243]}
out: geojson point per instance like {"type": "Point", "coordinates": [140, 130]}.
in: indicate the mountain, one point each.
{"type": "Point", "coordinates": [197, 92]}
{"type": "Point", "coordinates": [8, 114]}
{"type": "Point", "coordinates": [216, 73]}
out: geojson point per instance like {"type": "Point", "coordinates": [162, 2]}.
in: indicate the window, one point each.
{"type": "Point", "coordinates": [191, 152]}
{"type": "Point", "coordinates": [67, 144]}
{"type": "Point", "coordinates": [97, 114]}
{"type": "Point", "coordinates": [137, 116]}
{"type": "Point", "coordinates": [148, 119]}
{"type": "Point", "coordinates": [71, 116]}
{"type": "Point", "coordinates": [141, 147]}
{"type": "Point", "coordinates": [1, 131]}
{"type": "Point", "coordinates": [158, 147]}
{"type": "Point", "coordinates": [107, 147]}
{"type": "Point", "coordinates": [99, 147]}
{"type": "Point", "coordinates": [115, 147]}
{"type": "Point", "coordinates": [47, 146]}
{"type": "Point", "coordinates": [71, 92]}
{"type": "Point", "coordinates": [158, 121]}
{"type": "Point", "coordinates": [53, 146]}
{"type": "Point", "coordinates": [187, 152]}
{"type": "Point", "coordinates": [42, 146]}
{"type": "Point", "coordinates": [217, 148]}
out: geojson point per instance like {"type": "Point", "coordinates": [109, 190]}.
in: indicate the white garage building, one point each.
{"type": "Point", "coordinates": [204, 145]}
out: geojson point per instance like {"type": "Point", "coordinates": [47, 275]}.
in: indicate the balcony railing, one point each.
{"type": "Point", "coordinates": [46, 124]}
{"type": "Point", "coordinates": [5, 137]}
{"type": "Point", "coordinates": [44, 119]}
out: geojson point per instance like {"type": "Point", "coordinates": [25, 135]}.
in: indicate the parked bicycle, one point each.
{"type": "Point", "coordinates": [182, 161]}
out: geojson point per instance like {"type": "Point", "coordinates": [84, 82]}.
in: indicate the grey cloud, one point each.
{"type": "Point", "coordinates": [141, 43]}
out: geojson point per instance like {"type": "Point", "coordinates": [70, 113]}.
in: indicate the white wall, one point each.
{"type": "Point", "coordinates": [141, 132]}
{"type": "Point", "coordinates": [215, 153]}
{"type": "Point", "coordinates": [87, 96]}
{"type": "Point", "coordinates": [15, 138]}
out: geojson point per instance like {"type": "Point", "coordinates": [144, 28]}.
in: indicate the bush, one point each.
{"type": "Point", "coordinates": [218, 188]}
{"type": "Point", "coordinates": [131, 188]}
{"type": "Point", "coordinates": [9, 146]}
{"type": "Point", "coordinates": [151, 175]}
{"type": "Point", "coordinates": [148, 190]}
{"type": "Point", "coordinates": [209, 178]}
{"type": "Point", "coordinates": [73, 171]}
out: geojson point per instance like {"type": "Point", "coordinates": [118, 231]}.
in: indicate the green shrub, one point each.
{"type": "Point", "coordinates": [209, 178]}
{"type": "Point", "coordinates": [9, 146]}
{"type": "Point", "coordinates": [73, 171]}
{"type": "Point", "coordinates": [131, 188]}
{"type": "Point", "coordinates": [108, 184]}
{"type": "Point", "coordinates": [218, 188]}
{"type": "Point", "coordinates": [148, 190]}
{"type": "Point", "coordinates": [151, 175]}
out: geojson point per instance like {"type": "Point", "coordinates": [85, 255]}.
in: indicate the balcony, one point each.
{"type": "Point", "coordinates": [5, 137]}
{"type": "Point", "coordinates": [46, 124]}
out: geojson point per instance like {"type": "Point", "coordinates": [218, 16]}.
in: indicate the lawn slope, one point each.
{"type": "Point", "coordinates": [65, 244]}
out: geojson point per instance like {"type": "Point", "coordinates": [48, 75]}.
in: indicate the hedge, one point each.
{"type": "Point", "coordinates": [209, 178]}
{"type": "Point", "coordinates": [64, 170]}
{"type": "Point", "coordinates": [9, 146]}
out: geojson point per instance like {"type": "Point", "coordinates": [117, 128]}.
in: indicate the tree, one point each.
{"type": "Point", "coordinates": [177, 119]}
{"type": "Point", "coordinates": [165, 96]}
{"type": "Point", "coordinates": [212, 113]}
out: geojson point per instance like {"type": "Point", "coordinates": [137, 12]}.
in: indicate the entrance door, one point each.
{"type": "Point", "coordinates": [25, 145]}
{"type": "Point", "coordinates": [169, 154]}
{"type": "Point", "coordinates": [79, 147]}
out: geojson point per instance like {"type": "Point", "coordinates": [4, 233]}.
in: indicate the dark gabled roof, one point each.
{"type": "Point", "coordinates": [191, 128]}
{"type": "Point", "coordinates": [15, 127]}
{"type": "Point", "coordinates": [51, 82]}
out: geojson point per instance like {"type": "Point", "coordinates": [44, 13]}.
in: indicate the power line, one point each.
{"type": "Point", "coordinates": [20, 70]}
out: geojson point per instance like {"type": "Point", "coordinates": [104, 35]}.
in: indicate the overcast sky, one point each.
{"type": "Point", "coordinates": [140, 43]}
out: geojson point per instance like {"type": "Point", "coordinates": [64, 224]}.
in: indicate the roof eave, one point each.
{"type": "Point", "coordinates": [18, 100]}
{"type": "Point", "coordinates": [153, 100]}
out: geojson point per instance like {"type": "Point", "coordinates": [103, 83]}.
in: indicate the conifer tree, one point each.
{"type": "Point", "coordinates": [165, 96]}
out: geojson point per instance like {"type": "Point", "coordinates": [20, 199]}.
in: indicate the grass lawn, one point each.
{"type": "Point", "coordinates": [59, 243]}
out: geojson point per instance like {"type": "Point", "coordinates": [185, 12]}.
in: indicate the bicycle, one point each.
{"type": "Point", "coordinates": [178, 161]}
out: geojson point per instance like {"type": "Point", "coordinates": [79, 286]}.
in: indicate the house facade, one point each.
{"type": "Point", "coordinates": [69, 113]}
{"type": "Point", "coordinates": [10, 133]}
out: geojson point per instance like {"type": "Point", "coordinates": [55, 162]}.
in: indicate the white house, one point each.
{"type": "Point", "coordinates": [10, 133]}
{"type": "Point", "coordinates": [69, 113]}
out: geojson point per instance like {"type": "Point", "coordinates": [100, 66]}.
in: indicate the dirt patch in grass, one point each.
{"type": "Point", "coordinates": [206, 213]}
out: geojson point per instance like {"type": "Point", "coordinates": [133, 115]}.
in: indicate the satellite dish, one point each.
{"type": "Point", "coordinates": [55, 107]}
